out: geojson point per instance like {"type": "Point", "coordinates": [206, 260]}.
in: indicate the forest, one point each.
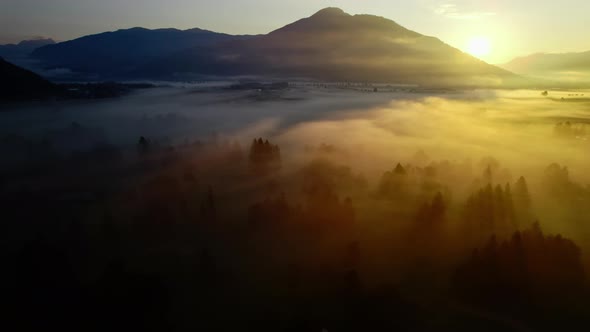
{"type": "Point", "coordinates": [221, 235]}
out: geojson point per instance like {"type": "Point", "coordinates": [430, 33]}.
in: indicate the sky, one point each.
{"type": "Point", "coordinates": [511, 28]}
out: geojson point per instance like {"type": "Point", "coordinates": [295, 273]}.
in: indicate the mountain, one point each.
{"type": "Point", "coordinates": [109, 53]}
{"type": "Point", "coordinates": [568, 67]}
{"type": "Point", "coordinates": [23, 49]}
{"type": "Point", "coordinates": [17, 83]}
{"type": "Point", "coordinates": [333, 45]}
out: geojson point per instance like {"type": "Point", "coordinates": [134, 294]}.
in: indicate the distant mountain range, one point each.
{"type": "Point", "coordinates": [568, 67]}
{"type": "Point", "coordinates": [20, 84]}
{"type": "Point", "coordinates": [112, 54]}
{"type": "Point", "coordinates": [23, 49]}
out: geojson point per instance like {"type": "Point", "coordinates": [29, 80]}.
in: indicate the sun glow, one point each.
{"type": "Point", "coordinates": [479, 46]}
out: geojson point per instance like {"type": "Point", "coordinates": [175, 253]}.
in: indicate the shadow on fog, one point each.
{"type": "Point", "coordinates": [178, 114]}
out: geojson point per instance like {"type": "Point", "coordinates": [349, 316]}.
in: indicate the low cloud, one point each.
{"type": "Point", "coordinates": [451, 10]}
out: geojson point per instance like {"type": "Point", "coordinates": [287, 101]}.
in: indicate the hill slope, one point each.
{"type": "Point", "coordinates": [550, 62]}
{"type": "Point", "coordinates": [565, 67]}
{"type": "Point", "coordinates": [20, 84]}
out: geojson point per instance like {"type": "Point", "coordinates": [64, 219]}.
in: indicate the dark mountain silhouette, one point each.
{"type": "Point", "coordinates": [114, 52]}
{"type": "Point", "coordinates": [333, 45]}
{"type": "Point", "coordinates": [24, 48]}
{"type": "Point", "coordinates": [20, 84]}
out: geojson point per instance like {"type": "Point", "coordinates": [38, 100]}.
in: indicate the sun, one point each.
{"type": "Point", "coordinates": [479, 46]}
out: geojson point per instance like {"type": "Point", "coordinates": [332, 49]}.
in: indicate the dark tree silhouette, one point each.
{"type": "Point", "coordinates": [528, 269]}
{"type": "Point", "coordinates": [393, 184]}
{"type": "Point", "coordinates": [264, 157]}
{"type": "Point", "coordinates": [208, 210]}
{"type": "Point", "coordinates": [143, 146]}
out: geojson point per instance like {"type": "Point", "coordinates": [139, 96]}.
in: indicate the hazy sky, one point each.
{"type": "Point", "coordinates": [513, 27]}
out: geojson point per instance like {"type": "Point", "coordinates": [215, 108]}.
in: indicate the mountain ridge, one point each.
{"type": "Point", "coordinates": [571, 69]}
{"type": "Point", "coordinates": [113, 51]}
{"type": "Point", "coordinates": [328, 45]}
{"type": "Point", "coordinates": [333, 45]}
{"type": "Point", "coordinates": [23, 49]}
{"type": "Point", "coordinates": [550, 61]}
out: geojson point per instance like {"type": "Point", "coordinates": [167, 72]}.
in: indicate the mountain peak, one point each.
{"type": "Point", "coordinates": [330, 11]}
{"type": "Point", "coordinates": [334, 19]}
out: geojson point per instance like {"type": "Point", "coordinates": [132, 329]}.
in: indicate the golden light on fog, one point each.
{"type": "Point", "coordinates": [479, 46]}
